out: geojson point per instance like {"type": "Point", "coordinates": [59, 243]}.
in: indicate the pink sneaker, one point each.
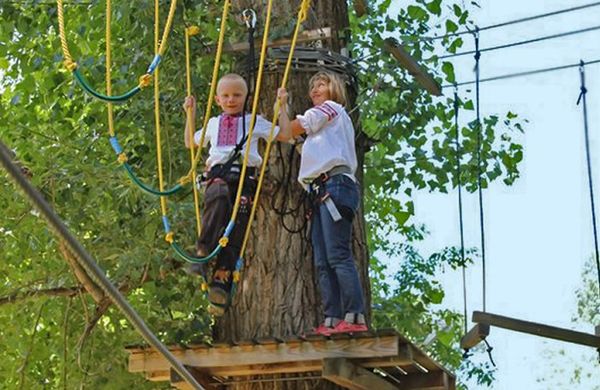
{"type": "Point", "coordinates": [348, 327]}
{"type": "Point", "coordinates": [323, 330]}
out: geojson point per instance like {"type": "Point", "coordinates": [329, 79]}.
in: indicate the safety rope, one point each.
{"type": "Point", "coordinates": [144, 80]}
{"type": "Point", "coordinates": [189, 32]}
{"type": "Point", "coordinates": [582, 99]}
{"type": "Point", "coordinates": [460, 206]}
{"type": "Point", "coordinates": [121, 155]}
{"type": "Point", "coordinates": [302, 15]}
{"type": "Point", "coordinates": [479, 170]}
{"type": "Point", "coordinates": [213, 87]}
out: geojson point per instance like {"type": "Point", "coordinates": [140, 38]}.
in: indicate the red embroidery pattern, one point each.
{"type": "Point", "coordinates": [327, 110]}
{"type": "Point", "coordinates": [228, 129]}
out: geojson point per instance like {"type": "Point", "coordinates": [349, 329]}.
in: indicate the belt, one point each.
{"type": "Point", "coordinates": [323, 197]}
{"type": "Point", "coordinates": [323, 177]}
{"type": "Point", "coordinates": [233, 169]}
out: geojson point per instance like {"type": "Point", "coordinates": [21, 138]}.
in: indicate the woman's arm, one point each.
{"type": "Point", "coordinates": [287, 128]}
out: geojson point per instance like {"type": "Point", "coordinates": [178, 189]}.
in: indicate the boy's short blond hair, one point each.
{"type": "Point", "coordinates": [233, 77]}
{"type": "Point", "coordinates": [337, 88]}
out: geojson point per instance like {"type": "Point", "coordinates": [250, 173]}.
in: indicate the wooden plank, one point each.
{"type": "Point", "coordinates": [304, 36]}
{"type": "Point", "coordinates": [476, 335]}
{"type": "Point", "coordinates": [361, 7]}
{"type": "Point", "coordinates": [267, 369]}
{"type": "Point", "coordinates": [438, 380]}
{"type": "Point", "coordinates": [344, 373]}
{"type": "Point", "coordinates": [404, 357]}
{"type": "Point", "coordinates": [407, 62]}
{"type": "Point", "coordinates": [268, 354]}
{"type": "Point", "coordinates": [533, 328]}
{"type": "Point", "coordinates": [598, 330]}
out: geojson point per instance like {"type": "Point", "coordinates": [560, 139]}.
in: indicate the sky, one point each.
{"type": "Point", "coordinates": [538, 231]}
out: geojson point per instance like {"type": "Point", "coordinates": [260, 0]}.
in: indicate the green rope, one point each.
{"type": "Point", "coordinates": [192, 259]}
{"type": "Point", "coordinates": [147, 189]}
{"type": "Point", "coordinates": [109, 99]}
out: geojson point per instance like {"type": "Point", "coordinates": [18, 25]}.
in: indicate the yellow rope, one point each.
{"type": "Point", "coordinates": [69, 63]}
{"type": "Point", "coordinates": [109, 106]}
{"type": "Point", "coordinates": [163, 199]}
{"type": "Point", "coordinates": [261, 67]}
{"type": "Point", "coordinates": [213, 87]}
{"type": "Point", "coordinates": [190, 31]}
{"type": "Point", "coordinates": [302, 14]}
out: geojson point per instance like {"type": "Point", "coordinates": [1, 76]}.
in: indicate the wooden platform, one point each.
{"type": "Point", "coordinates": [382, 359]}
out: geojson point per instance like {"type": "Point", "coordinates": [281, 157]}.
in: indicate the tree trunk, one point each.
{"type": "Point", "coordinates": [278, 295]}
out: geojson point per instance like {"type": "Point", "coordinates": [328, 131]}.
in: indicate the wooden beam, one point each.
{"type": "Point", "coordinates": [407, 62]}
{"type": "Point", "coordinates": [304, 36]}
{"type": "Point", "coordinates": [438, 380]}
{"type": "Point", "coordinates": [344, 373]}
{"type": "Point", "coordinates": [361, 7]}
{"type": "Point", "coordinates": [253, 355]}
{"type": "Point", "coordinates": [533, 328]}
{"type": "Point", "coordinates": [201, 377]}
{"type": "Point", "coordinates": [598, 330]}
{"type": "Point", "coordinates": [476, 335]}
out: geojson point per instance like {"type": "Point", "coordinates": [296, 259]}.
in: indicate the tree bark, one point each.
{"type": "Point", "coordinates": [278, 295]}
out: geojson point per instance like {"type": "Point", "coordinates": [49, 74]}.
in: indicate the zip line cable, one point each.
{"type": "Point", "coordinates": [479, 173]}
{"type": "Point", "coordinates": [520, 74]}
{"type": "Point", "coordinates": [582, 99]}
{"type": "Point", "coordinates": [511, 22]}
{"type": "Point", "coordinates": [89, 264]}
{"type": "Point", "coordinates": [520, 43]}
{"type": "Point", "coordinates": [460, 208]}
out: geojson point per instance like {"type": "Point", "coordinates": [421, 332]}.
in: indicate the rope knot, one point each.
{"type": "Point", "coordinates": [223, 241]}
{"type": "Point", "coordinates": [122, 158]}
{"type": "Point", "coordinates": [70, 65]}
{"type": "Point", "coordinates": [204, 286]}
{"type": "Point", "coordinates": [170, 237]}
{"type": "Point", "coordinates": [236, 276]}
{"type": "Point", "coordinates": [192, 30]}
{"type": "Point", "coordinates": [184, 180]}
{"type": "Point", "coordinates": [145, 80]}
{"type": "Point", "coordinates": [303, 13]}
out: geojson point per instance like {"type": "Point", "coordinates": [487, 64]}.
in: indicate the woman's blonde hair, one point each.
{"type": "Point", "coordinates": [337, 88]}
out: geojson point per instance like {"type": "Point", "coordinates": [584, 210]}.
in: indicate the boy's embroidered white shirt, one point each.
{"type": "Point", "coordinates": [220, 154]}
{"type": "Point", "coordinates": [329, 142]}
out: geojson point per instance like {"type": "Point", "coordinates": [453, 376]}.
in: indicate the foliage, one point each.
{"type": "Point", "coordinates": [58, 133]}
{"type": "Point", "coordinates": [577, 368]}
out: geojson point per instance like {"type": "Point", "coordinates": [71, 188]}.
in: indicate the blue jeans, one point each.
{"type": "Point", "coordinates": [341, 291]}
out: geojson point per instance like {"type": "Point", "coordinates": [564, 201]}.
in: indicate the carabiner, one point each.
{"type": "Point", "coordinates": [249, 16]}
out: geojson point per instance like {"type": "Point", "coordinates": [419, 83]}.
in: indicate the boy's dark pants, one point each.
{"type": "Point", "coordinates": [219, 199]}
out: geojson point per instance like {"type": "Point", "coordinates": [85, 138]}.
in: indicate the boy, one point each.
{"type": "Point", "coordinates": [227, 134]}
